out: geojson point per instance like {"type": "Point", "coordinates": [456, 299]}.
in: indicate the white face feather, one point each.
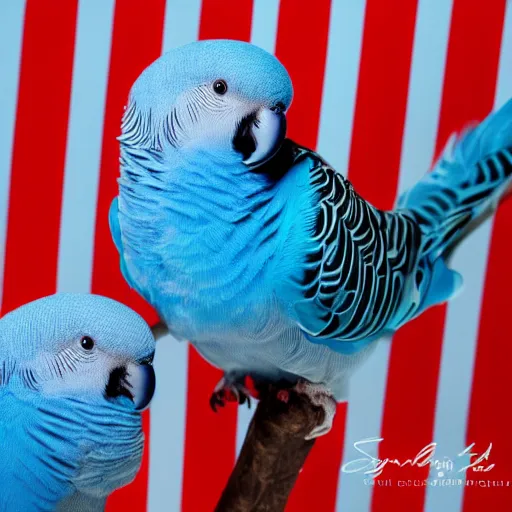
{"type": "Point", "coordinates": [207, 119]}
{"type": "Point", "coordinates": [74, 370]}
{"type": "Point", "coordinates": [223, 126]}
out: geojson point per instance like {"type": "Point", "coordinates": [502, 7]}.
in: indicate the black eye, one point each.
{"type": "Point", "coordinates": [220, 87]}
{"type": "Point", "coordinates": [87, 343]}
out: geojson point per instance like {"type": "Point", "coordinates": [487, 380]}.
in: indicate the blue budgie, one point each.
{"type": "Point", "coordinates": [258, 252]}
{"type": "Point", "coordinates": [75, 372]}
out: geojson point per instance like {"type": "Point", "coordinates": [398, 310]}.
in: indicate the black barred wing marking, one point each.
{"type": "Point", "coordinates": [446, 205]}
{"type": "Point", "coordinates": [357, 272]}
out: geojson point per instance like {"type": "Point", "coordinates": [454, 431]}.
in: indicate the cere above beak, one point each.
{"type": "Point", "coordinates": [260, 135]}
{"type": "Point", "coordinates": [136, 382]}
{"type": "Point", "coordinates": [278, 108]}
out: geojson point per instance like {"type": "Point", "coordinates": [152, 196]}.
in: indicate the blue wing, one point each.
{"type": "Point", "coordinates": [370, 271]}
{"type": "Point", "coordinates": [358, 268]}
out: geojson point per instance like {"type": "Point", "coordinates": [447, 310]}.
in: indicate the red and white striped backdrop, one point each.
{"type": "Point", "coordinates": [379, 86]}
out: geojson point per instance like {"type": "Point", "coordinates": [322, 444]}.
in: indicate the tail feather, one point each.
{"type": "Point", "coordinates": [467, 183]}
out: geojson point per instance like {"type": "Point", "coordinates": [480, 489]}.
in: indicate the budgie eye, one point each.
{"type": "Point", "coordinates": [87, 343]}
{"type": "Point", "coordinates": [220, 87]}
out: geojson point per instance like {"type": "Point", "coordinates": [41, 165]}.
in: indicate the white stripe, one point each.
{"type": "Point", "coordinates": [265, 16]}
{"type": "Point", "coordinates": [11, 32]}
{"type": "Point", "coordinates": [340, 82]}
{"type": "Point", "coordinates": [334, 140]}
{"type": "Point", "coordinates": [167, 426]}
{"type": "Point", "coordinates": [461, 329]}
{"type": "Point", "coordinates": [263, 34]}
{"type": "Point", "coordinates": [457, 361]}
{"type": "Point", "coordinates": [244, 418]}
{"type": "Point", "coordinates": [83, 155]}
{"type": "Point", "coordinates": [168, 409]}
{"type": "Point", "coordinates": [368, 386]}
{"type": "Point", "coordinates": [181, 23]}
{"type": "Point", "coordinates": [425, 90]}
{"type": "Point", "coordinates": [504, 87]}
{"type": "Point", "coordinates": [364, 418]}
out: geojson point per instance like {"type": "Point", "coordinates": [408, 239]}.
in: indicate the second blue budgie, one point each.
{"type": "Point", "coordinates": [75, 373]}
{"type": "Point", "coordinates": [255, 249]}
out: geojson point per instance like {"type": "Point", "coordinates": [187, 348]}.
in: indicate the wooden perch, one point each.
{"type": "Point", "coordinates": [272, 456]}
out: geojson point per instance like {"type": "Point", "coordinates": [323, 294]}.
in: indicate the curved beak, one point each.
{"type": "Point", "coordinates": [268, 132]}
{"type": "Point", "coordinates": [141, 381]}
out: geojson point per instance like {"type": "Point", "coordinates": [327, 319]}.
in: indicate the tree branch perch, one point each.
{"type": "Point", "coordinates": [272, 456]}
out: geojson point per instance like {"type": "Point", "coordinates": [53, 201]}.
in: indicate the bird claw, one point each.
{"type": "Point", "coordinates": [227, 391]}
{"type": "Point", "coordinates": [321, 396]}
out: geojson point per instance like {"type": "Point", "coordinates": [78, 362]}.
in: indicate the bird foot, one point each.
{"type": "Point", "coordinates": [321, 396]}
{"type": "Point", "coordinates": [228, 390]}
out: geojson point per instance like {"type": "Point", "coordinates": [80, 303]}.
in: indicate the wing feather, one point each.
{"type": "Point", "coordinates": [360, 263]}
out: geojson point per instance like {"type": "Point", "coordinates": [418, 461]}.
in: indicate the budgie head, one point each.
{"type": "Point", "coordinates": [79, 345]}
{"type": "Point", "coordinates": [75, 372]}
{"type": "Point", "coordinates": [224, 99]}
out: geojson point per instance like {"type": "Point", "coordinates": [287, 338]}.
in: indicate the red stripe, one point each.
{"type": "Point", "coordinates": [210, 438]}
{"type": "Point", "coordinates": [379, 116]}
{"type": "Point", "coordinates": [411, 394]}
{"type": "Point", "coordinates": [226, 19]}
{"type": "Point", "coordinates": [301, 46]}
{"type": "Point", "coordinates": [136, 42]}
{"type": "Point", "coordinates": [489, 416]}
{"type": "Point", "coordinates": [302, 40]}
{"type": "Point", "coordinates": [40, 136]}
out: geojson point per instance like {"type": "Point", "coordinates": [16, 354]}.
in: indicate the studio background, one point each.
{"type": "Point", "coordinates": [379, 87]}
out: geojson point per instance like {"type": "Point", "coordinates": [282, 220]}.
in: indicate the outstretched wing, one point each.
{"type": "Point", "coordinates": [359, 267]}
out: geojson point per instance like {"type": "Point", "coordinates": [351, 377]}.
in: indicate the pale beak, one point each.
{"type": "Point", "coordinates": [141, 381]}
{"type": "Point", "coordinates": [268, 132]}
